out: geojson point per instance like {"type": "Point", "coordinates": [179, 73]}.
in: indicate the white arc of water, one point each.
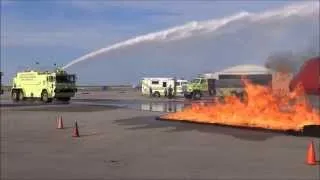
{"type": "Point", "coordinates": [193, 28]}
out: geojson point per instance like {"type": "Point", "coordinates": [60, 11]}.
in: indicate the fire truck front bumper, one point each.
{"type": "Point", "coordinates": [61, 93]}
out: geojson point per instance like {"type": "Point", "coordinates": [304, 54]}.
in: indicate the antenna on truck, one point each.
{"type": "Point", "coordinates": [56, 68]}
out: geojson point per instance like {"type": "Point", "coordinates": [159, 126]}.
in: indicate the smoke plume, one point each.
{"type": "Point", "coordinates": [290, 62]}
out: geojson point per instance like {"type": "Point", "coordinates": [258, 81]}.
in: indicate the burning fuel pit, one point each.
{"type": "Point", "coordinates": [263, 110]}
{"type": "Point", "coordinates": [308, 130]}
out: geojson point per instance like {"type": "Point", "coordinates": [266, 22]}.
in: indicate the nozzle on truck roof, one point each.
{"type": "Point", "coordinates": [60, 70]}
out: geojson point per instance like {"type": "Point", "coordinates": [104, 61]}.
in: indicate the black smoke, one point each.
{"type": "Point", "coordinates": [290, 62]}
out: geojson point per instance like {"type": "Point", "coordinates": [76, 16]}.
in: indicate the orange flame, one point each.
{"type": "Point", "coordinates": [263, 109]}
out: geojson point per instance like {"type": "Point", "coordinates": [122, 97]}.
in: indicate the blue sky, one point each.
{"type": "Point", "coordinates": [60, 31]}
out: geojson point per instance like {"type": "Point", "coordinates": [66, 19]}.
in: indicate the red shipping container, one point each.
{"type": "Point", "coordinates": [308, 76]}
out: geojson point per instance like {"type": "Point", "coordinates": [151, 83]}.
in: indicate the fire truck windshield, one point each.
{"type": "Point", "coordinates": [65, 78]}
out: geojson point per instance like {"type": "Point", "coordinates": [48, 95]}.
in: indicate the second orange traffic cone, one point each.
{"type": "Point", "coordinates": [59, 122]}
{"type": "Point", "coordinates": [75, 130]}
{"type": "Point", "coordinates": [311, 156]}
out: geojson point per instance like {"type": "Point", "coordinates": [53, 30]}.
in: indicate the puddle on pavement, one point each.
{"type": "Point", "coordinates": [143, 106]}
{"type": "Point", "coordinates": [173, 105]}
{"type": "Point", "coordinates": [162, 107]}
{"type": "Point", "coordinates": [88, 105]}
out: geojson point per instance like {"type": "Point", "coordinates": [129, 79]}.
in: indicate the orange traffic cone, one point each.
{"type": "Point", "coordinates": [75, 130]}
{"type": "Point", "coordinates": [59, 122]}
{"type": "Point", "coordinates": [311, 157]}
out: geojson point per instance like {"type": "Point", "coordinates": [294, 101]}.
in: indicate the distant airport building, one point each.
{"type": "Point", "coordinates": [239, 70]}
{"type": "Point", "coordinates": [278, 80]}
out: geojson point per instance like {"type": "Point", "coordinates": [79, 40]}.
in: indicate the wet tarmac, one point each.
{"type": "Point", "coordinates": [153, 106]}
{"type": "Point", "coordinates": [100, 104]}
{"type": "Point", "coordinates": [129, 144]}
{"type": "Point", "coordinates": [121, 139]}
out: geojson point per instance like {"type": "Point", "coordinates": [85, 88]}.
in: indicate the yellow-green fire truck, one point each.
{"type": "Point", "coordinates": [199, 87]}
{"type": "Point", "coordinates": [43, 85]}
{"type": "Point", "coordinates": [224, 85]}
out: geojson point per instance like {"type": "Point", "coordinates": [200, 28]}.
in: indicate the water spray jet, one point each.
{"type": "Point", "coordinates": [210, 26]}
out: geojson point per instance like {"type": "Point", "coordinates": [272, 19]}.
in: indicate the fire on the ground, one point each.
{"type": "Point", "coordinates": [263, 108]}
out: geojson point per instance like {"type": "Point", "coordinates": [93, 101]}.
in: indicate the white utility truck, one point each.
{"type": "Point", "coordinates": [159, 86]}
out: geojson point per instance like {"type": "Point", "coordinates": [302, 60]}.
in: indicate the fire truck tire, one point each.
{"type": "Point", "coordinates": [20, 95]}
{"type": "Point", "coordinates": [196, 95]}
{"type": "Point", "coordinates": [45, 96]}
{"type": "Point", "coordinates": [156, 94]}
{"type": "Point", "coordinates": [14, 95]}
{"type": "Point", "coordinates": [187, 96]}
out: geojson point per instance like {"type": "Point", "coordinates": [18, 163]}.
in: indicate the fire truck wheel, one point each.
{"type": "Point", "coordinates": [20, 95]}
{"type": "Point", "coordinates": [196, 95]}
{"type": "Point", "coordinates": [14, 95]}
{"type": "Point", "coordinates": [44, 96]}
{"type": "Point", "coordinates": [156, 94]}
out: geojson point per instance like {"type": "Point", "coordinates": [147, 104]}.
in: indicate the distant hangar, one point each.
{"type": "Point", "coordinates": [240, 70]}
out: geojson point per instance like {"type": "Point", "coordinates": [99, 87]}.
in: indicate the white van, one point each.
{"type": "Point", "coordinates": [157, 86]}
